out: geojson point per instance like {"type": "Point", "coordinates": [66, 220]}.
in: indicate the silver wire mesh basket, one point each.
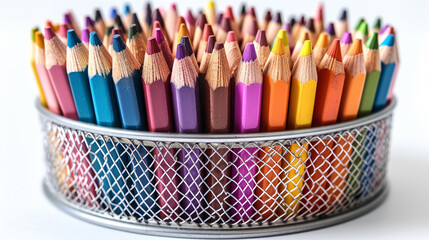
{"type": "Point", "coordinates": [216, 185]}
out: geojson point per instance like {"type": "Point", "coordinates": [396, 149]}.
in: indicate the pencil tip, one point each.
{"type": "Point", "coordinates": [181, 51]}
{"type": "Point", "coordinates": [278, 18]}
{"type": "Point", "coordinates": [211, 44]}
{"type": "Point", "coordinates": [218, 46]}
{"type": "Point", "coordinates": [359, 22]}
{"type": "Point", "coordinates": [249, 53]}
{"type": "Point", "coordinates": [49, 33]}
{"type": "Point", "coordinates": [117, 43]}
{"type": "Point", "coordinates": [310, 25]}
{"type": "Point", "coordinates": [385, 27]}
{"type": "Point", "coordinates": [226, 24]}
{"type": "Point", "coordinates": [346, 38]}
{"type": "Point", "coordinates": [283, 35]}
{"type": "Point", "coordinates": [158, 35]}
{"type": "Point", "coordinates": [261, 38]}
{"type": "Point", "coordinates": [135, 20]}
{"type": "Point", "coordinates": [306, 49]}
{"type": "Point", "coordinates": [363, 28]}
{"type": "Point", "coordinates": [88, 22]}
{"type": "Point", "coordinates": [187, 44]}
{"type": "Point", "coordinates": [94, 40]}
{"type": "Point", "coordinates": [372, 42]}
{"type": "Point", "coordinates": [322, 41]}
{"type": "Point", "coordinates": [152, 46]}
{"type": "Point", "coordinates": [355, 48]}
{"type": "Point", "coordinates": [343, 15]}
{"type": "Point", "coordinates": [113, 13]}
{"type": "Point", "coordinates": [228, 13]}
{"type": "Point", "coordinates": [98, 16]}
{"type": "Point", "coordinates": [377, 23]}
{"type": "Point", "coordinates": [72, 38]}
{"type": "Point", "coordinates": [335, 50]}
{"type": "Point", "coordinates": [39, 39]}
{"type": "Point", "coordinates": [330, 29]}
{"type": "Point", "coordinates": [278, 47]}
{"type": "Point", "coordinates": [207, 32]}
{"type": "Point", "coordinates": [33, 33]}
{"type": "Point", "coordinates": [85, 35]}
{"type": "Point", "coordinates": [389, 41]}
{"type": "Point", "coordinates": [231, 37]}
{"type": "Point", "coordinates": [132, 31]}
{"type": "Point", "coordinates": [201, 20]}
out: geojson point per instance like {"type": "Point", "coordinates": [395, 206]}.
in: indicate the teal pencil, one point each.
{"type": "Point", "coordinates": [77, 71]}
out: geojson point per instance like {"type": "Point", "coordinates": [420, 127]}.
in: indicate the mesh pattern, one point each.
{"type": "Point", "coordinates": [217, 184]}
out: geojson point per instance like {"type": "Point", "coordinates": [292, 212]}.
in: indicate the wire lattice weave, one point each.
{"type": "Point", "coordinates": [217, 184]}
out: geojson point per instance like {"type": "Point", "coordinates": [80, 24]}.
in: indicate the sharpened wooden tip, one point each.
{"type": "Point", "coordinates": [231, 37]}
{"type": "Point", "coordinates": [322, 41]}
{"type": "Point", "coordinates": [356, 47]}
{"type": "Point", "coordinates": [372, 42]}
{"type": "Point", "coordinates": [335, 50]}
{"type": "Point", "coordinates": [278, 47]}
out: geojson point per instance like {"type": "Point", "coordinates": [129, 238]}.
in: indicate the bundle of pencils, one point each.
{"type": "Point", "coordinates": [218, 73]}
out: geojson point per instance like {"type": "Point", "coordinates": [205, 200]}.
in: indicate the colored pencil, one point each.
{"type": "Point", "coordinates": [77, 71]}
{"type": "Point", "coordinates": [136, 43]}
{"type": "Point", "coordinates": [170, 18]}
{"type": "Point", "coordinates": [190, 23]}
{"type": "Point", "coordinates": [233, 53]}
{"type": "Point", "coordinates": [89, 24]}
{"type": "Point", "coordinates": [71, 21]}
{"type": "Point", "coordinates": [85, 37]}
{"type": "Point", "coordinates": [55, 52]}
{"type": "Point", "coordinates": [112, 14]}
{"type": "Point", "coordinates": [267, 19]}
{"type": "Point", "coordinates": [283, 35]}
{"type": "Point", "coordinates": [156, 16]}
{"type": "Point", "coordinates": [210, 12]}
{"type": "Point", "coordinates": [301, 105]}
{"type": "Point", "coordinates": [251, 14]}
{"type": "Point", "coordinates": [186, 108]}
{"type": "Point", "coordinates": [135, 20]}
{"type": "Point", "coordinates": [373, 70]}
{"type": "Point", "coordinates": [250, 34]}
{"type": "Point", "coordinates": [322, 163]}
{"type": "Point", "coordinates": [354, 64]}
{"type": "Point", "coordinates": [200, 25]}
{"type": "Point", "coordinates": [288, 29]}
{"type": "Point", "coordinates": [319, 25]}
{"type": "Point", "coordinates": [217, 118]}
{"type": "Point", "coordinates": [129, 91]}
{"type": "Point", "coordinates": [37, 75]}
{"type": "Point", "coordinates": [273, 28]}
{"type": "Point", "coordinates": [99, 25]}
{"type": "Point", "coordinates": [115, 31]}
{"type": "Point", "coordinates": [346, 42]}
{"type": "Point", "coordinates": [321, 47]}
{"type": "Point", "coordinates": [330, 30]}
{"type": "Point", "coordinates": [48, 23]}
{"type": "Point", "coordinates": [189, 51]}
{"type": "Point", "coordinates": [241, 16]}
{"type": "Point", "coordinates": [261, 47]}
{"type": "Point", "coordinates": [342, 25]}
{"type": "Point", "coordinates": [106, 114]}
{"type": "Point", "coordinates": [275, 102]}
{"type": "Point", "coordinates": [119, 24]}
{"type": "Point", "coordinates": [206, 58]}
{"type": "Point", "coordinates": [163, 46]}
{"type": "Point", "coordinates": [62, 32]}
{"type": "Point", "coordinates": [362, 32]}
{"type": "Point", "coordinates": [388, 65]}
{"type": "Point", "coordinates": [156, 86]}
{"type": "Point", "coordinates": [217, 23]}
{"type": "Point", "coordinates": [42, 72]}
{"type": "Point", "coordinates": [356, 28]}
{"type": "Point", "coordinates": [107, 38]}
{"type": "Point", "coordinates": [183, 31]}
{"type": "Point", "coordinates": [223, 30]}
{"type": "Point", "coordinates": [298, 46]}
{"type": "Point", "coordinates": [203, 42]}
{"type": "Point", "coordinates": [247, 112]}
{"type": "Point", "coordinates": [391, 30]}
{"type": "Point", "coordinates": [377, 26]}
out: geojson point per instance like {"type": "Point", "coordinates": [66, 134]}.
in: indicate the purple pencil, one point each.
{"type": "Point", "coordinates": [248, 99]}
{"type": "Point", "coordinates": [186, 106]}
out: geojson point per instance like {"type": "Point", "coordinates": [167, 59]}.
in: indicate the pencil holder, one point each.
{"type": "Point", "coordinates": [225, 185]}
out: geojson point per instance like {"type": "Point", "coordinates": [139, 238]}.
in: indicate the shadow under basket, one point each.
{"type": "Point", "coordinates": [216, 185]}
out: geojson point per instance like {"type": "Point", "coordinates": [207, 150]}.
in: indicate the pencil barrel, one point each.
{"type": "Point", "coordinates": [229, 180]}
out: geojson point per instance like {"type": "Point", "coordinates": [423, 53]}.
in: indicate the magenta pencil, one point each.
{"type": "Point", "coordinates": [164, 47]}
{"type": "Point", "coordinates": [248, 98]}
{"type": "Point", "coordinates": [55, 52]}
{"type": "Point", "coordinates": [156, 86]}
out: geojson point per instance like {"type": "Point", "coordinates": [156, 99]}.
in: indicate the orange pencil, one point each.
{"type": "Point", "coordinates": [273, 118]}
{"type": "Point", "coordinates": [330, 74]}
{"type": "Point", "coordinates": [321, 47]}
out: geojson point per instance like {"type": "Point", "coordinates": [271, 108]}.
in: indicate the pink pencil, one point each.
{"type": "Point", "coordinates": [248, 98]}
{"type": "Point", "coordinates": [55, 52]}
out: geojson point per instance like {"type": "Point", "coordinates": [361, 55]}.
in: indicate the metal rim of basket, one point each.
{"type": "Point", "coordinates": [212, 232]}
{"type": "Point", "coordinates": [213, 138]}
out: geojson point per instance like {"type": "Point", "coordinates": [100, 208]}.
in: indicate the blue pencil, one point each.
{"type": "Point", "coordinates": [129, 90]}
{"type": "Point", "coordinates": [388, 65]}
{"type": "Point", "coordinates": [107, 114]}
{"type": "Point", "coordinates": [77, 70]}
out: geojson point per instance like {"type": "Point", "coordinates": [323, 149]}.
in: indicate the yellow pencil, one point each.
{"type": "Point", "coordinates": [301, 105]}
{"type": "Point", "coordinates": [33, 66]}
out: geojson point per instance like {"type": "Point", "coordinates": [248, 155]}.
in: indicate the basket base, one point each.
{"type": "Point", "coordinates": [212, 232]}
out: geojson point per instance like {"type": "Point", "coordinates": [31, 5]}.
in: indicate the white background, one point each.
{"type": "Point", "coordinates": [25, 213]}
